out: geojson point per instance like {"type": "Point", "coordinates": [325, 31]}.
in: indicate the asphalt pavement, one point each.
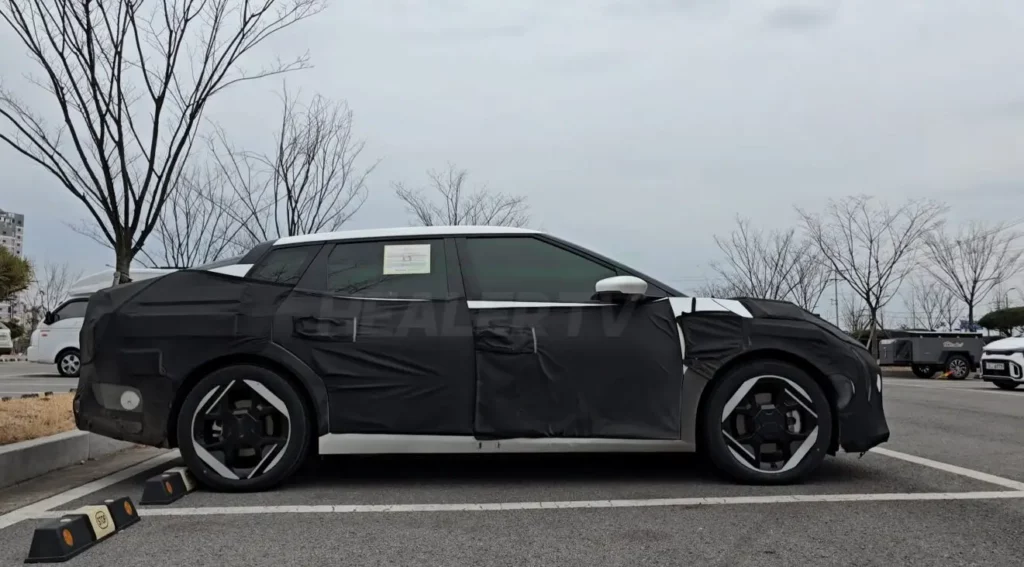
{"type": "Point", "coordinates": [19, 378]}
{"type": "Point", "coordinates": [947, 490]}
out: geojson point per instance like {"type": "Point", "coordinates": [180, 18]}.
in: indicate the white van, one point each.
{"type": "Point", "coordinates": [55, 341]}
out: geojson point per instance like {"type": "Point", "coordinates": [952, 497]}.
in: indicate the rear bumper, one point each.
{"type": "Point", "coordinates": [101, 403]}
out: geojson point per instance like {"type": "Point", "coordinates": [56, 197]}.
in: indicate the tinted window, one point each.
{"type": "Point", "coordinates": [284, 265]}
{"type": "Point", "coordinates": [527, 269]}
{"type": "Point", "coordinates": [391, 269]}
{"type": "Point", "coordinates": [71, 310]}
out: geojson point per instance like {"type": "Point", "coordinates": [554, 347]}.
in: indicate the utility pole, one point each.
{"type": "Point", "coordinates": [835, 293]}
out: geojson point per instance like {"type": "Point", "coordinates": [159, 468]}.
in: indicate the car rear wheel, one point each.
{"type": "Point", "coordinates": [69, 363]}
{"type": "Point", "coordinates": [767, 422]}
{"type": "Point", "coordinates": [958, 367]}
{"type": "Point", "coordinates": [1006, 384]}
{"type": "Point", "coordinates": [923, 370]}
{"type": "Point", "coordinates": [243, 428]}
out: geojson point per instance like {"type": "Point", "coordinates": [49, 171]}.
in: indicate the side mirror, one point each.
{"type": "Point", "coordinates": [49, 318]}
{"type": "Point", "coordinates": [620, 289]}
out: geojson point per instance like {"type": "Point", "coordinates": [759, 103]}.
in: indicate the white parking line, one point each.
{"type": "Point", "coordinates": [976, 475]}
{"type": "Point", "coordinates": [968, 388]}
{"type": "Point", "coordinates": [37, 508]}
{"type": "Point", "coordinates": [567, 504]}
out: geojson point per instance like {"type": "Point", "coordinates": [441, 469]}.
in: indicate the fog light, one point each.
{"type": "Point", "coordinates": [117, 397]}
{"type": "Point", "coordinates": [130, 400]}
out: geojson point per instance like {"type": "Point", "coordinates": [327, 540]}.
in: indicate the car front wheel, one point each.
{"type": "Point", "coordinates": [243, 428]}
{"type": "Point", "coordinates": [767, 422]}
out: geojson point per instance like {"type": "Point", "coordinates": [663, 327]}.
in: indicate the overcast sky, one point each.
{"type": "Point", "coordinates": [641, 127]}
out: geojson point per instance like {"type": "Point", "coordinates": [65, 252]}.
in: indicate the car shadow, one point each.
{"type": "Point", "coordinates": [535, 469]}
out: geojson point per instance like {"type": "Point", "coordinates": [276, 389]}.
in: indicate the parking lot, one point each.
{"type": "Point", "coordinates": [947, 489]}
{"type": "Point", "coordinates": [20, 378]}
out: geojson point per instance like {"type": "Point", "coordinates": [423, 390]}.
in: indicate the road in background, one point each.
{"type": "Point", "coordinates": [19, 378]}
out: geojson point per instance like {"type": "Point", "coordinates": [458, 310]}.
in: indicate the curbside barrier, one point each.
{"type": "Point", "coordinates": [168, 486]}
{"type": "Point", "coordinates": [65, 537]}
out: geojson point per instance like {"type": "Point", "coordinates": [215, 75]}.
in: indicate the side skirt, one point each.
{"type": "Point", "coordinates": [367, 444]}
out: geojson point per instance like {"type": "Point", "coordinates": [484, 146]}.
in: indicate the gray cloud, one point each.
{"type": "Point", "coordinates": [801, 17]}
{"type": "Point", "coordinates": [637, 128]}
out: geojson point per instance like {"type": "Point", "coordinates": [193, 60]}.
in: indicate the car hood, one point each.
{"type": "Point", "coordinates": [1010, 343]}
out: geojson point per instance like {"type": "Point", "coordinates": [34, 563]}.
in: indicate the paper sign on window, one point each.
{"type": "Point", "coordinates": [403, 259]}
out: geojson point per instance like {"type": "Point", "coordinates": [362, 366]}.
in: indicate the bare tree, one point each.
{"type": "Point", "coordinates": [51, 285]}
{"type": "Point", "coordinates": [854, 315]}
{"type": "Point", "coordinates": [717, 289]}
{"type": "Point", "coordinates": [194, 227]}
{"type": "Point", "coordinates": [309, 182]}
{"type": "Point", "coordinates": [871, 246]}
{"type": "Point", "coordinates": [930, 304]}
{"type": "Point", "coordinates": [130, 85]}
{"type": "Point", "coordinates": [458, 205]}
{"type": "Point", "coordinates": [950, 311]}
{"type": "Point", "coordinates": [776, 265]}
{"type": "Point", "coordinates": [970, 263]}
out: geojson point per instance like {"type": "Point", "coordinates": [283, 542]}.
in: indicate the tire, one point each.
{"type": "Point", "coordinates": [1006, 384]}
{"type": "Point", "coordinates": [922, 370]}
{"type": "Point", "coordinates": [229, 388]}
{"type": "Point", "coordinates": [792, 387]}
{"type": "Point", "coordinates": [69, 363]}
{"type": "Point", "coordinates": [958, 367]}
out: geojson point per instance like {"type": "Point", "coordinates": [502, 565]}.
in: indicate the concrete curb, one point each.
{"type": "Point", "coordinates": [29, 459]}
{"type": "Point", "coordinates": [13, 358]}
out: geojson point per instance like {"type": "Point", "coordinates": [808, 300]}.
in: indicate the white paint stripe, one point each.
{"type": "Point", "coordinates": [976, 475]}
{"type": "Point", "coordinates": [33, 510]}
{"type": "Point", "coordinates": [969, 388]}
{"type": "Point", "coordinates": [571, 504]}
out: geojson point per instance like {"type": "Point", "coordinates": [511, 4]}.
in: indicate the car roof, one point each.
{"type": "Point", "coordinates": [408, 231]}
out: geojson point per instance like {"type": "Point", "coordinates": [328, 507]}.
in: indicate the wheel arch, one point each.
{"type": "Point", "coordinates": [64, 349]}
{"type": "Point", "coordinates": [312, 392]}
{"type": "Point", "coordinates": [771, 355]}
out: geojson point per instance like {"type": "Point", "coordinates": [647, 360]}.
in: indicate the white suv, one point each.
{"type": "Point", "coordinates": [1002, 362]}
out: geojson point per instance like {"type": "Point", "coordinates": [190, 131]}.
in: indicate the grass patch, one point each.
{"type": "Point", "coordinates": [30, 418]}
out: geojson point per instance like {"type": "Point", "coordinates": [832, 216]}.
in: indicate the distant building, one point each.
{"type": "Point", "coordinates": [12, 237]}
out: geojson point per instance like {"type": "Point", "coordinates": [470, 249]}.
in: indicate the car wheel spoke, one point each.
{"type": "Point", "coordinates": [770, 424]}
{"type": "Point", "coordinates": [238, 433]}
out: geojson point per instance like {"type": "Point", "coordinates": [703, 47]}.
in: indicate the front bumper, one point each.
{"type": "Point", "coordinates": [136, 412]}
{"type": "Point", "coordinates": [862, 422]}
{"type": "Point", "coordinates": [32, 354]}
{"type": "Point", "coordinates": [1012, 369]}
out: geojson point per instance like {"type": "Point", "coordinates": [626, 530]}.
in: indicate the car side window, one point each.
{"type": "Point", "coordinates": [528, 269]}
{"type": "Point", "coordinates": [284, 265]}
{"type": "Point", "coordinates": [71, 310]}
{"type": "Point", "coordinates": [389, 269]}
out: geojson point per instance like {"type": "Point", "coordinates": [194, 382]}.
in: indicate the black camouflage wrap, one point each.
{"type": "Point", "coordinates": [715, 339]}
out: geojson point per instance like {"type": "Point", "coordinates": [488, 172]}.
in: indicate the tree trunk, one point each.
{"type": "Point", "coordinates": [873, 324]}
{"type": "Point", "coordinates": [970, 316]}
{"type": "Point", "coordinates": [122, 264]}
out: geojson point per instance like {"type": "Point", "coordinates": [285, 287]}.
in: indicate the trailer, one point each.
{"type": "Point", "coordinates": [953, 354]}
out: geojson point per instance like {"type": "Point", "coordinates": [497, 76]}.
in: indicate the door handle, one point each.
{"type": "Point", "coordinates": [324, 328]}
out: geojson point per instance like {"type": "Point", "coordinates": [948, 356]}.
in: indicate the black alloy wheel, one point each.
{"type": "Point", "coordinates": [243, 428]}
{"type": "Point", "coordinates": [767, 423]}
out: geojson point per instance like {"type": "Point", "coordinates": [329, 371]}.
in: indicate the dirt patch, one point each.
{"type": "Point", "coordinates": [30, 418]}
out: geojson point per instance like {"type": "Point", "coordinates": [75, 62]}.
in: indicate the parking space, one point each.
{"type": "Point", "coordinates": [947, 489]}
